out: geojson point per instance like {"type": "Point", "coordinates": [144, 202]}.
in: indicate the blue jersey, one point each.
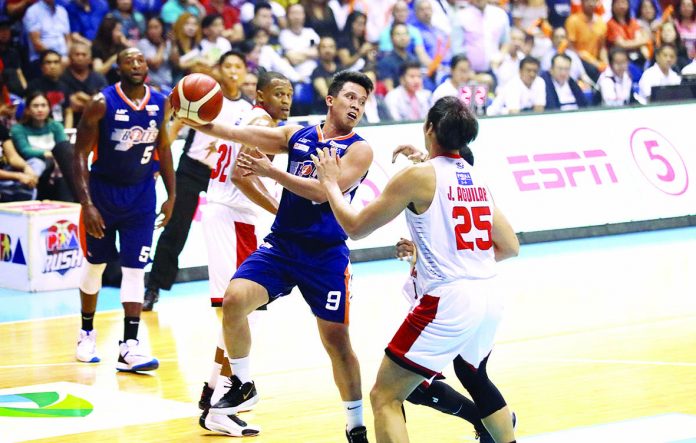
{"type": "Point", "coordinates": [299, 217]}
{"type": "Point", "coordinates": [126, 150]}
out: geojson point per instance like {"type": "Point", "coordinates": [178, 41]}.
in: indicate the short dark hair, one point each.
{"type": "Point", "coordinates": [232, 53]}
{"type": "Point", "coordinates": [343, 77]}
{"type": "Point", "coordinates": [665, 46]}
{"type": "Point", "coordinates": [391, 31]}
{"type": "Point", "coordinates": [262, 5]}
{"type": "Point", "coordinates": [410, 64]}
{"type": "Point", "coordinates": [529, 60]}
{"type": "Point", "coordinates": [208, 20]}
{"type": "Point", "coordinates": [30, 97]}
{"type": "Point", "coordinates": [616, 50]}
{"type": "Point", "coordinates": [560, 55]}
{"type": "Point", "coordinates": [454, 124]}
{"type": "Point", "coordinates": [46, 53]}
{"type": "Point", "coordinates": [458, 59]}
{"type": "Point", "coordinates": [266, 77]}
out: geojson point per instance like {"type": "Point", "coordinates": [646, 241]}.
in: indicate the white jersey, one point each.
{"type": "Point", "coordinates": [221, 190]}
{"type": "Point", "coordinates": [453, 236]}
{"type": "Point", "coordinates": [230, 112]}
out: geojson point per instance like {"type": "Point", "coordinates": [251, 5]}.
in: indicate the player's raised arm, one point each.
{"type": "Point", "coordinates": [166, 168]}
{"type": "Point", "coordinates": [397, 194]}
{"type": "Point", "coordinates": [268, 140]}
{"type": "Point", "coordinates": [87, 134]}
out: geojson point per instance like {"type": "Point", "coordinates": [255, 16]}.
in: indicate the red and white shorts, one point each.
{"type": "Point", "coordinates": [458, 318]}
{"type": "Point", "coordinates": [229, 242]}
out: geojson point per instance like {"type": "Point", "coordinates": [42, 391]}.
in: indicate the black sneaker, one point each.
{"type": "Point", "coordinates": [151, 297]}
{"type": "Point", "coordinates": [357, 435]}
{"type": "Point", "coordinates": [201, 419]}
{"type": "Point", "coordinates": [239, 397]}
{"type": "Point", "coordinates": [206, 395]}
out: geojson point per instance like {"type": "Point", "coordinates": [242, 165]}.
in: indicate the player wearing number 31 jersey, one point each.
{"type": "Point", "coordinates": [459, 234]}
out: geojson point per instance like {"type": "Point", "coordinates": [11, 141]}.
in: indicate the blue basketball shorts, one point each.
{"type": "Point", "coordinates": [322, 274]}
{"type": "Point", "coordinates": [129, 211]}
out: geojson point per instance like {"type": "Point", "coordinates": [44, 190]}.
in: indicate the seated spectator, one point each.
{"type": "Point", "coordinates": [587, 33]}
{"type": "Point", "coordinates": [668, 35]}
{"type": "Point", "coordinates": [13, 74]}
{"type": "Point", "coordinates": [485, 29]}
{"type": "Point", "coordinates": [185, 52]}
{"type": "Point", "coordinates": [527, 92]}
{"type": "Point", "coordinates": [85, 17]}
{"type": "Point", "coordinates": [436, 43]}
{"type": "Point", "coordinates": [265, 56]}
{"type": "Point", "coordinates": [509, 66]}
{"type": "Point", "coordinates": [376, 110]}
{"type": "Point", "coordinates": [80, 81]}
{"type": "Point", "coordinates": [648, 15]}
{"type": "Point", "coordinates": [173, 9]}
{"type": "Point", "coordinates": [321, 77]}
{"type": "Point", "coordinates": [343, 8]}
{"type": "Point", "coordinates": [689, 69]}
{"type": "Point", "coordinates": [625, 32]}
{"type": "Point", "coordinates": [263, 19]}
{"type": "Point", "coordinates": [158, 52]}
{"type": "Point", "coordinates": [409, 101]}
{"type": "Point", "coordinates": [527, 13]}
{"type": "Point", "coordinates": [389, 66]}
{"type": "Point", "coordinates": [234, 31]}
{"type": "Point", "coordinates": [18, 178]}
{"type": "Point", "coordinates": [615, 85]}
{"type": "Point", "coordinates": [132, 21]}
{"type": "Point", "coordinates": [685, 15]}
{"type": "Point", "coordinates": [415, 46]}
{"type": "Point", "coordinates": [299, 43]}
{"type": "Point", "coordinates": [48, 27]}
{"type": "Point", "coordinates": [559, 11]}
{"type": "Point", "coordinates": [35, 137]}
{"type": "Point", "coordinates": [321, 18]}
{"type": "Point", "coordinates": [277, 17]}
{"type": "Point", "coordinates": [354, 51]}
{"type": "Point", "coordinates": [560, 44]}
{"type": "Point", "coordinates": [461, 74]}
{"type": "Point", "coordinates": [213, 44]}
{"type": "Point", "coordinates": [562, 92]}
{"type": "Point", "coordinates": [148, 8]}
{"type": "Point", "coordinates": [661, 73]}
{"type": "Point", "coordinates": [105, 48]}
{"type": "Point", "coordinates": [249, 85]}
{"type": "Point", "coordinates": [56, 91]}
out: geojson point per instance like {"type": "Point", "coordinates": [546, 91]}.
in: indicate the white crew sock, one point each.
{"type": "Point", "coordinates": [354, 414]}
{"type": "Point", "coordinates": [240, 368]}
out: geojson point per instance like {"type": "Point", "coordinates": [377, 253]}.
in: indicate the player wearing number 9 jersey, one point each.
{"type": "Point", "coordinates": [459, 234]}
{"type": "Point", "coordinates": [122, 126]}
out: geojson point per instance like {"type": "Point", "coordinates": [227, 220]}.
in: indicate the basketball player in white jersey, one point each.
{"type": "Point", "coordinates": [459, 234]}
{"type": "Point", "coordinates": [230, 234]}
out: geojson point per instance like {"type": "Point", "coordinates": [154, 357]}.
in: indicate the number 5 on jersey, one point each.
{"type": "Point", "coordinates": [472, 218]}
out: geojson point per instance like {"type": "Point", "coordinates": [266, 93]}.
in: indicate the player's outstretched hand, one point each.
{"type": "Point", "coordinates": [328, 165]}
{"type": "Point", "coordinates": [94, 223]}
{"type": "Point", "coordinates": [165, 212]}
{"type": "Point", "coordinates": [255, 162]}
{"type": "Point", "coordinates": [411, 152]}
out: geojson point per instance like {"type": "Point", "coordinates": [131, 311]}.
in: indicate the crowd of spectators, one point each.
{"type": "Point", "coordinates": [500, 56]}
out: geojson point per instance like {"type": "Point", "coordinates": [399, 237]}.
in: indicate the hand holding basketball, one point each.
{"type": "Point", "coordinates": [196, 99]}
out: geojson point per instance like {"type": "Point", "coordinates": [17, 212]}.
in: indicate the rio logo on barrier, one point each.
{"type": "Point", "coordinates": [62, 247]}
{"type": "Point", "coordinates": [562, 169]}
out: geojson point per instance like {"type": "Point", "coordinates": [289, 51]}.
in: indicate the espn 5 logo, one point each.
{"type": "Point", "coordinates": [562, 169]}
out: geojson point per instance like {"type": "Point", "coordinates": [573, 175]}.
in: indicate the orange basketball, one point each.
{"type": "Point", "coordinates": [197, 97]}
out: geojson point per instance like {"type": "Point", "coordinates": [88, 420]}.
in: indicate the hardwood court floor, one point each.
{"type": "Point", "coordinates": [597, 331]}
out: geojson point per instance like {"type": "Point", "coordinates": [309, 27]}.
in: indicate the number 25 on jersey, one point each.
{"type": "Point", "coordinates": [472, 220]}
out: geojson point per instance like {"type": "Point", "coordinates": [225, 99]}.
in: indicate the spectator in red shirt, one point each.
{"type": "Point", "coordinates": [234, 31]}
{"type": "Point", "coordinates": [625, 32]}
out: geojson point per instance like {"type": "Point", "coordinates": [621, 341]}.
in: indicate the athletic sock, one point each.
{"type": "Point", "coordinates": [354, 414]}
{"type": "Point", "coordinates": [87, 321]}
{"type": "Point", "coordinates": [130, 328]}
{"type": "Point", "coordinates": [240, 368]}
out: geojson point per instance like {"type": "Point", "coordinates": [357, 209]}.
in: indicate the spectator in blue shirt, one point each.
{"type": "Point", "coordinates": [85, 17]}
{"type": "Point", "coordinates": [48, 27]}
{"type": "Point", "coordinates": [389, 65]}
{"type": "Point", "coordinates": [174, 8]}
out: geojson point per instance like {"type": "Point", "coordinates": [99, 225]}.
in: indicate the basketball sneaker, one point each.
{"type": "Point", "coordinates": [87, 347]}
{"type": "Point", "coordinates": [206, 395]}
{"type": "Point", "coordinates": [239, 397]}
{"type": "Point", "coordinates": [229, 425]}
{"type": "Point", "coordinates": [151, 297]}
{"type": "Point", "coordinates": [357, 435]}
{"type": "Point", "coordinates": [131, 358]}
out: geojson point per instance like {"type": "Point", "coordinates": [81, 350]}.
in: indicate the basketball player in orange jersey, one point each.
{"type": "Point", "coordinates": [459, 234]}
{"type": "Point", "coordinates": [230, 234]}
{"type": "Point", "coordinates": [306, 247]}
{"type": "Point", "coordinates": [124, 122]}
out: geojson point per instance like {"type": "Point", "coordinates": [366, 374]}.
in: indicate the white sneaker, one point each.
{"type": "Point", "coordinates": [230, 425]}
{"type": "Point", "coordinates": [87, 347]}
{"type": "Point", "coordinates": [131, 358]}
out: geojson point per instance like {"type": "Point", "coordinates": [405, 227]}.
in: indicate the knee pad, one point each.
{"type": "Point", "coordinates": [132, 285]}
{"type": "Point", "coordinates": [485, 394]}
{"type": "Point", "coordinates": [91, 281]}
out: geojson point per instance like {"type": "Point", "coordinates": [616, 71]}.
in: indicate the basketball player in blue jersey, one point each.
{"type": "Point", "coordinates": [123, 127]}
{"type": "Point", "coordinates": [306, 247]}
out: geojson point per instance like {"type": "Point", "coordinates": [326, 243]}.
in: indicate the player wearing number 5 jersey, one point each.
{"type": "Point", "coordinates": [123, 128]}
{"type": "Point", "coordinates": [459, 234]}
